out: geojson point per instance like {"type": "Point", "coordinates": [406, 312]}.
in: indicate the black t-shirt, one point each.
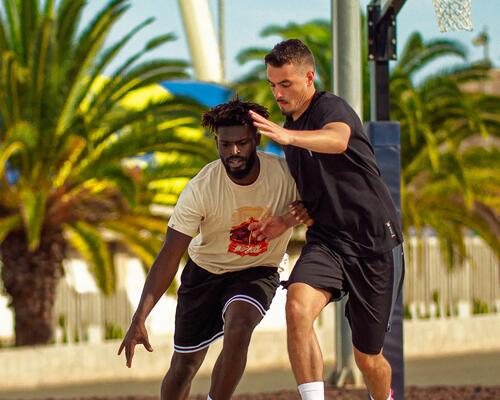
{"type": "Point", "coordinates": [352, 209]}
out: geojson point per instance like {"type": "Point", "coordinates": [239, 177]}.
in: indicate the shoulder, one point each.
{"type": "Point", "coordinates": [330, 108]}
{"type": "Point", "coordinates": [274, 164]}
{"type": "Point", "coordinates": [271, 160]}
{"type": "Point", "coordinates": [327, 100]}
{"type": "Point", "coordinates": [207, 175]}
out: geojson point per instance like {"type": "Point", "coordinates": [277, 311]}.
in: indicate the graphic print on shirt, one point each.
{"type": "Point", "coordinates": [240, 240]}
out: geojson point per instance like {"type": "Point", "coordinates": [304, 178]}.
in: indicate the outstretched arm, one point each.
{"type": "Point", "coordinates": [157, 282]}
{"type": "Point", "coordinates": [332, 138]}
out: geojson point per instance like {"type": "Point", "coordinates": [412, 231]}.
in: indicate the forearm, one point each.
{"type": "Point", "coordinates": [159, 278]}
{"type": "Point", "coordinates": [162, 272]}
{"type": "Point", "coordinates": [320, 141]}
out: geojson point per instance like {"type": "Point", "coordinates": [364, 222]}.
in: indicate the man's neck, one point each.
{"type": "Point", "coordinates": [296, 115]}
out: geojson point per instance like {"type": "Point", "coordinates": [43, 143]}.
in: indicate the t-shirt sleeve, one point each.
{"type": "Point", "coordinates": [333, 110]}
{"type": "Point", "coordinates": [188, 213]}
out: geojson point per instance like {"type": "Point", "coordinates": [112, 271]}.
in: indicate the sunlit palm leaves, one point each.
{"type": "Point", "coordinates": [73, 157]}
{"type": "Point", "coordinates": [448, 136]}
{"type": "Point", "coordinates": [449, 147]}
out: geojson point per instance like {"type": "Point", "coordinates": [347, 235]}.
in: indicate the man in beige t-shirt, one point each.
{"type": "Point", "coordinates": [231, 278]}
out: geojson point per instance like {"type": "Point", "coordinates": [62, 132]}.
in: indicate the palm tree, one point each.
{"type": "Point", "coordinates": [448, 136]}
{"type": "Point", "coordinates": [75, 165]}
{"type": "Point", "coordinates": [253, 85]}
{"type": "Point", "coordinates": [317, 35]}
{"type": "Point", "coordinates": [449, 147]}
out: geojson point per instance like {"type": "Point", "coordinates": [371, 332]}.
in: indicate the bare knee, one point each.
{"type": "Point", "coordinates": [183, 367]}
{"type": "Point", "coordinates": [303, 305]}
{"type": "Point", "coordinates": [238, 330]}
{"type": "Point", "coordinates": [298, 314]}
{"type": "Point", "coordinates": [293, 309]}
{"type": "Point", "coordinates": [367, 362]}
{"type": "Point", "coordinates": [241, 318]}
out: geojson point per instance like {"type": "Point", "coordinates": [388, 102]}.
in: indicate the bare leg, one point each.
{"type": "Point", "coordinates": [303, 305]}
{"type": "Point", "coordinates": [241, 318]}
{"type": "Point", "coordinates": [183, 367]}
{"type": "Point", "coordinates": [377, 373]}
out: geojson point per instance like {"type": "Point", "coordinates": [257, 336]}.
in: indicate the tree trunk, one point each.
{"type": "Point", "coordinates": [30, 278]}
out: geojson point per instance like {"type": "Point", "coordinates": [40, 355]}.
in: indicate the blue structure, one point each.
{"type": "Point", "coordinates": [206, 93]}
{"type": "Point", "coordinates": [210, 94]}
{"type": "Point", "coordinates": [385, 138]}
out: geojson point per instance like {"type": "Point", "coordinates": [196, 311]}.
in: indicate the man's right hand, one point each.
{"type": "Point", "coordinates": [274, 226]}
{"type": "Point", "coordinates": [136, 334]}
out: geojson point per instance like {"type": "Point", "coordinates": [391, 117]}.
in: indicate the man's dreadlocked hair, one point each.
{"type": "Point", "coordinates": [234, 112]}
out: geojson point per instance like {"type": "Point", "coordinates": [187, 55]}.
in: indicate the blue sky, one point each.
{"type": "Point", "coordinates": [244, 19]}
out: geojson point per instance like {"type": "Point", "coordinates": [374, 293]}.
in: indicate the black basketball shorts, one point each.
{"type": "Point", "coordinates": [372, 284]}
{"type": "Point", "coordinates": [203, 298]}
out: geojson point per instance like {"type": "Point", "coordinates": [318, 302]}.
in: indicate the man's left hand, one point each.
{"type": "Point", "coordinates": [270, 129]}
{"type": "Point", "coordinates": [274, 226]}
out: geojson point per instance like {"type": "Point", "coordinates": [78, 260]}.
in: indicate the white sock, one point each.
{"type": "Point", "coordinates": [388, 397]}
{"type": "Point", "coordinates": [312, 391]}
{"type": "Point", "coordinates": [209, 398]}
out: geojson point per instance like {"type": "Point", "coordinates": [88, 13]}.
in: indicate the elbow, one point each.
{"type": "Point", "coordinates": [339, 147]}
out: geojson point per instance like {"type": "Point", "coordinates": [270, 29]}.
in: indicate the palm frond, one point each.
{"type": "Point", "coordinates": [89, 242]}
{"type": "Point", "coordinates": [8, 224]}
{"type": "Point", "coordinates": [33, 213]}
{"type": "Point", "coordinates": [142, 243]}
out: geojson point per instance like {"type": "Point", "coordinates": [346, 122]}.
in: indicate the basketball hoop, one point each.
{"type": "Point", "coordinates": [453, 15]}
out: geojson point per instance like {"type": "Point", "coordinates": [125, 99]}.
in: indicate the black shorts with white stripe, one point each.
{"type": "Point", "coordinates": [203, 298]}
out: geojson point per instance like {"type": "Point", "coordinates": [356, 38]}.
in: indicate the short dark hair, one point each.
{"type": "Point", "coordinates": [291, 51]}
{"type": "Point", "coordinates": [234, 112]}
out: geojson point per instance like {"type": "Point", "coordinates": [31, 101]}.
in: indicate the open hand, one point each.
{"type": "Point", "coordinates": [274, 226]}
{"type": "Point", "coordinates": [136, 334]}
{"type": "Point", "coordinates": [269, 228]}
{"type": "Point", "coordinates": [270, 129]}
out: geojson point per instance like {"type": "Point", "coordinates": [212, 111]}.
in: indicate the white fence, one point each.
{"type": "Point", "coordinates": [431, 290]}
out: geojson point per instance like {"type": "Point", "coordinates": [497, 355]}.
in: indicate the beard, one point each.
{"type": "Point", "coordinates": [240, 173]}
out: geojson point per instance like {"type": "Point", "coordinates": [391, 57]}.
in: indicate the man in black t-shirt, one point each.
{"type": "Point", "coordinates": [354, 246]}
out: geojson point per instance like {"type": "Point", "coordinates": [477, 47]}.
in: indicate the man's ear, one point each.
{"type": "Point", "coordinates": [257, 138]}
{"type": "Point", "coordinates": [310, 77]}
{"type": "Point", "coordinates": [216, 142]}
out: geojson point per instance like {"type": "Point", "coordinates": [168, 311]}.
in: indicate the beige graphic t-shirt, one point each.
{"type": "Point", "coordinates": [216, 212]}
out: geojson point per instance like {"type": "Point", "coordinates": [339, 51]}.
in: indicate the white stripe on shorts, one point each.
{"type": "Point", "coordinates": [201, 346]}
{"type": "Point", "coordinates": [248, 299]}
{"type": "Point", "coordinates": [218, 335]}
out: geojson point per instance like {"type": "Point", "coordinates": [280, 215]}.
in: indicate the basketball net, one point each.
{"type": "Point", "coordinates": [453, 15]}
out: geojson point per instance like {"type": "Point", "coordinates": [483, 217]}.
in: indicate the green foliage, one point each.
{"type": "Point", "coordinates": [479, 307]}
{"type": "Point", "coordinates": [449, 150]}
{"type": "Point", "coordinates": [406, 311]}
{"type": "Point", "coordinates": [253, 86]}
{"type": "Point", "coordinates": [61, 323]}
{"type": "Point", "coordinates": [449, 136]}
{"type": "Point", "coordinates": [75, 155]}
{"type": "Point", "coordinates": [112, 331]}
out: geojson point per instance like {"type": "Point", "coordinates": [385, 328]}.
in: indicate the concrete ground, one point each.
{"type": "Point", "coordinates": [470, 369]}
